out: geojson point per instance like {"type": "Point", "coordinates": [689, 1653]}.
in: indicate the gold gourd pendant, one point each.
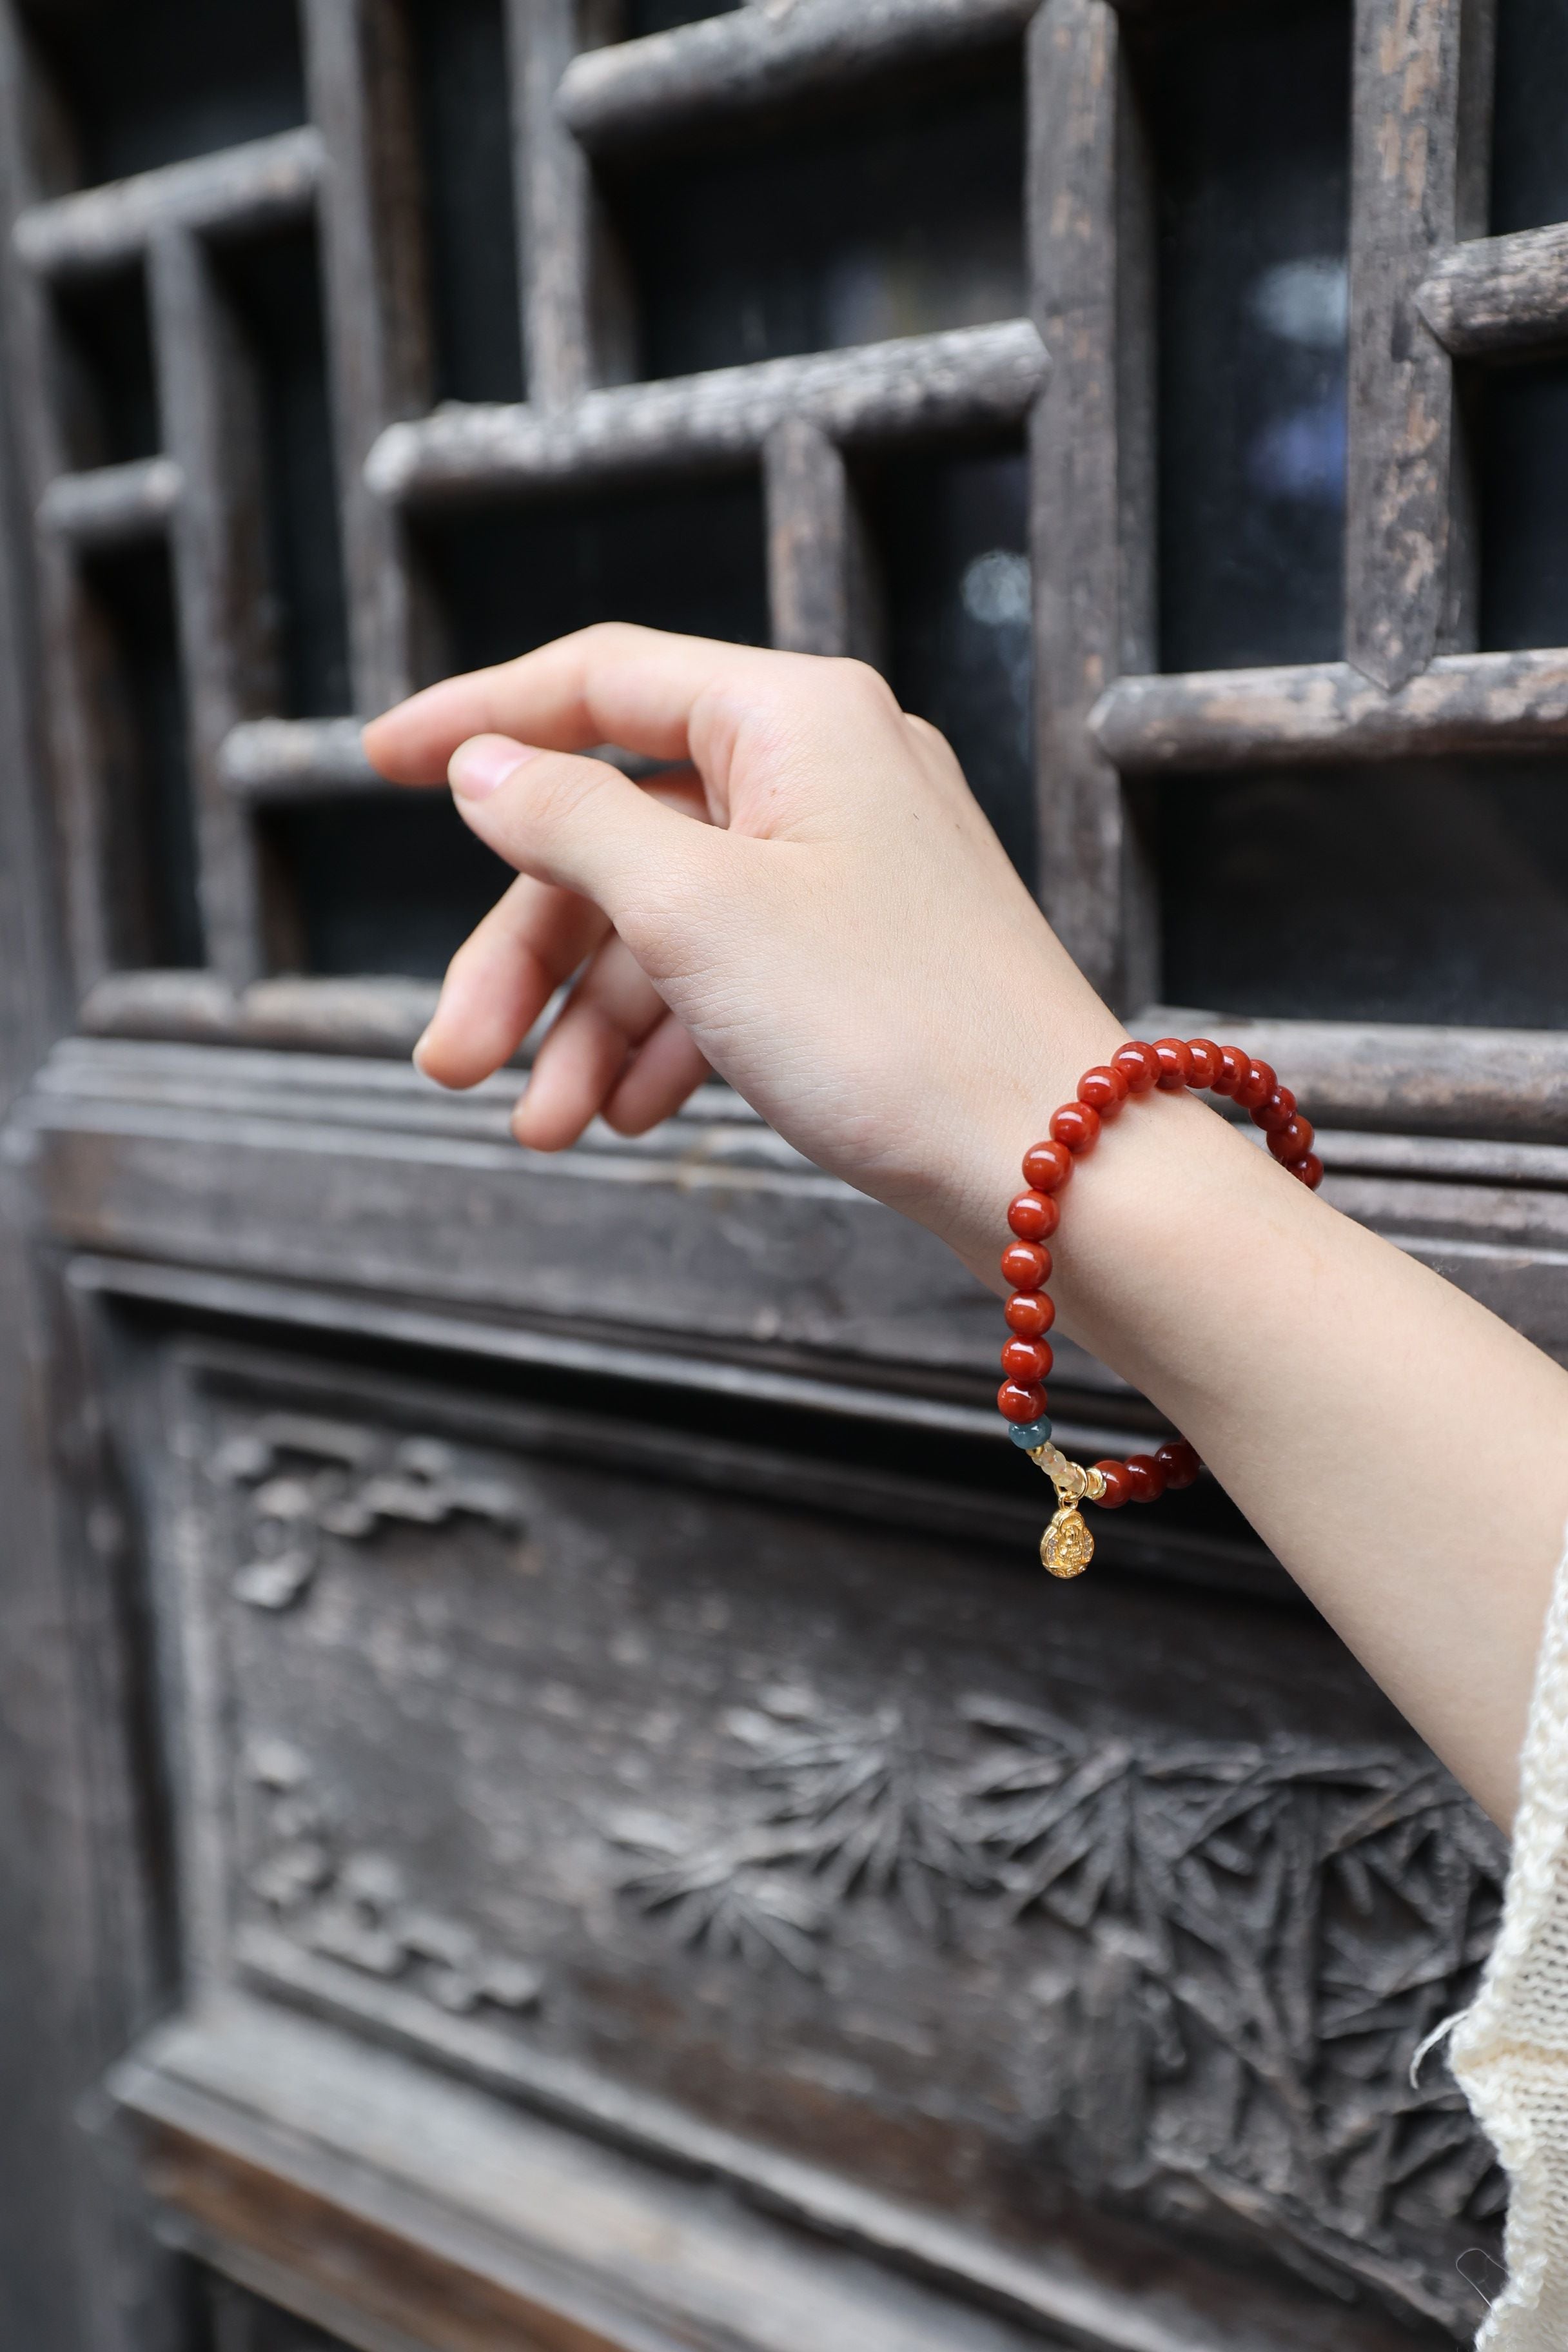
{"type": "Point", "coordinates": [1066, 1547]}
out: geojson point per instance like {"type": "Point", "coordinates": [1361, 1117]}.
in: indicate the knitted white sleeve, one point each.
{"type": "Point", "coordinates": [1509, 2051]}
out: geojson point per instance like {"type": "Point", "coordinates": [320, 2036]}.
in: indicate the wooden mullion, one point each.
{"type": "Point", "coordinates": [61, 618]}
{"type": "Point", "coordinates": [554, 204]}
{"type": "Point", "coordinates": [218, 580]}
{"type": "Point", "coordinates": [1417, 182]}
{"type": "Point", "coordinates": [1490, 296]}
{"type": "Point", "coordinates": [968, 380]}
{"type": "Point", "coordinates": [819, 575]}
{"type": "Point", "coordinates": [1091, 479]}
{"type": "Point", "coordinates": [375, 280]}
{"type": "Point", "coordinates": [1326, 713]}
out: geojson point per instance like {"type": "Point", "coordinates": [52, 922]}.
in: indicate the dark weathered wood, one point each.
{"type": "Point", "coordinates": [820, 593]}
{"type": "Point", "coordinates": [225, 648]}
{"type": "Point", "coordinates": [377, 306]}
{"type": "Point", "coordinates": [1321, 713]}
{"type": "Point", "coordinates": [261, 186]}
{"type": "Point", "coordinates": [1090, 475]}
{"type": "Point", "coordinates": [533, 2228]}
{"type": "Point", "coordinates": [758, 56]}
{"type": "Point", "coordinates": [553, 202]}
{"type": "Point", "coordinates": [350, 1016]}
{"type": "Point", "coordinates": [974, 377]}
{"type": "Point", "coordinates": [1500, 294]}
{"type": "Point", "coordinates": [279, 1709]}
{"type": "Point", "coordinates": [1408, 544]}
{"type": "Point", "coordinates": [1406, 1078]}
{"type": "Point", "coordinates": [112, 505]}
{"type": "Point", "coordinates": [62, 716]}
{"type": "Point", "coordinates": [270, 760]}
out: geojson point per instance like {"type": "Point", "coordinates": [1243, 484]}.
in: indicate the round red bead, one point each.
{"type": "Point", "coordinates": [1034, 1216]}
{"type": "Point", "coordinates": [1075, 1126]}
{"type": "Point", "coordinates": [1030, 1313]}
{"type": "Point", "coordinates": [1015, 1401]}
{"type": "Point", "coordinates": [1179, 1462]}
{"type": "Point", "coordinates": [1138, 1065]}
{"type": "Point", "coordinates": [1175, 1065]}
{"type": "Point", "coordinates": [1256, 1085]}
{"type": "Point", "coordinates": [1027, 1359]}
{"type": "Point", "coordinates": [1148, 1480]}
{"type": "Point", "coordinates": [1280, 1106]}
{"type": "Point", "coordinates": [1103, 1090]}
{"type": "Point", "coordinates": [1291, 1141]}
{"type": "Point", "coordinates": [1308, 1171]}
{"type": "Point", "coordinates": [1047, 1166]}
{"type": "Point", "coordinates": [1203, 1054]}
{"type": "Point", "coordinates": [1234, 1065]}
{"type": "Point", "coordinates": [1117, 1485]}
{"type": "Point", "coordinates": [1026, 1266]}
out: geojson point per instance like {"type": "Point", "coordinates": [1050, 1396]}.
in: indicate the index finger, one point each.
{"type": "Point", "coordinates": [614, 682]}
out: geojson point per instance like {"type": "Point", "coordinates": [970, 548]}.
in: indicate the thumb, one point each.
{"type": "Point", "coordinates": [575, 822]}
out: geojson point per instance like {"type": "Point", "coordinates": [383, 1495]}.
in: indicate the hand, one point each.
{"type": "Point", "coordinates": [811, 904]}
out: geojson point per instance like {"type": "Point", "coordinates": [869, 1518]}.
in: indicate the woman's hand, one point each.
{"type": "Point", "coordinates": [812, 904]}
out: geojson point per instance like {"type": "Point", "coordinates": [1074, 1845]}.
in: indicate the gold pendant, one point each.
{"type": "Point", "coordinates": [1066, 1547]}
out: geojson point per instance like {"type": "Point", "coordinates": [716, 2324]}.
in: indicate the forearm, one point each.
{"type": "Point", "coordinates": [1402, 1452]}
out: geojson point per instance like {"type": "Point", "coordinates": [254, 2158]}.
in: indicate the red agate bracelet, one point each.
{"type": "Point", "coordinates": [1171, 1065]}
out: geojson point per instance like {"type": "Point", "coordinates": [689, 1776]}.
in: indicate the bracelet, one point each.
{"type": "Point", "coordinates": [1067, 1546]}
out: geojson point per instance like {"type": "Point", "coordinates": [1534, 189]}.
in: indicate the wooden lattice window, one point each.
{"type": "Point", "coordinates": [812, 322]}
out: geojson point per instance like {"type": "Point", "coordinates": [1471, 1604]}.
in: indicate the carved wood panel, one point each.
{"type": "Point", "coordinates": [1066, 1925]}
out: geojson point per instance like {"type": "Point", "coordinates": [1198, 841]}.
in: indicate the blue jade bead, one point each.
{"type": "Point", "coordinates": [1033, 1433]}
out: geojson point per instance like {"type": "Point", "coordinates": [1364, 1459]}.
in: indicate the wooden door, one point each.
{"type": "Point", "coordinates": [548, 1804]}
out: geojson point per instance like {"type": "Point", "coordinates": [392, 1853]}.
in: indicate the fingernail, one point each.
{"type": "Point", "coordinates": [417, 1057]}
{"type": "Point", "coordinates": [477, 766]}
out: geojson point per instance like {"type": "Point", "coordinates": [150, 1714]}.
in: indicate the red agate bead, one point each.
{"type": "Point", "coordinates": [1047, 1166]}
{"type": "Point", "coordinates": [1256, 1085]}
{"type": "Point", "coordinates": [1103, 1090]}
{"type": "Point", "coordinates": [1075, 1126]}
{"type": "Point", "coordinates": [1234, 1065]}
{"type": "Point", "coordinates": [1026, 1266]}
{"type": "Point", "coordinates": [1117, 1485]}
{"type": "Point", "coordinates": [1034, 1216]}
{"type": "Point", "coordinates": [1275, 1110]}
{"type": "Point", "coordinates": [1204, 1055]}
{"type": "Point", "coordinates": [1027, 1359]}
{"type": "Point", "coordinates": [1016, 1401]}
{"type": "Point", "coordinates": [1146, 1476]}
{"type": "Point", "coordinates": [1030, 1313]}
{"type": "Point", "coordinates": [1291, 1141]}
{"type": "Point", "coordinates": [1138, 1065]}
{"type": "Point", "coordinates": [1308, 1171]}
{"type": "Point", "coordinates": [1175, 1065]}
{"type": "Point", "coordinates": [1179, 1461]}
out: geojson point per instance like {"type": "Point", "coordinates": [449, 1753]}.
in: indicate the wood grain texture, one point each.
{"type": "Point", "coordinates": [377, 299]}
{"type": "Point", "coordinates": [820, 591]}
{"type": "Point", "coordinates": [1409, 554]}
{"type": "Point", "coordinates": [755, 57]}
{"type": "Point", "coordinates": [970, 378]}
{"type": "Point", "coordinates": [1090, 474]}
{"type": "Point", "coordinates": [213, 436]}
{"type": "Point", "coordinates": [534, 2231]}
{"type": "Point", "coordinates": [63, 648]}
{"type": "Point", "coordinates": [112, 506]}
{"type": "Point", "coordinates": [554, 202]}
{"type": "Point", "coordinates": [288, 1693]}
{"type": "Point", "coordinates": [1500, 294]}
{"type": "Point", "coordinates": [242, 190]}
{"type": "Point", "coordinates": [1328, 712]}
{"type": "Point", "coordinates": [276, 760]}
